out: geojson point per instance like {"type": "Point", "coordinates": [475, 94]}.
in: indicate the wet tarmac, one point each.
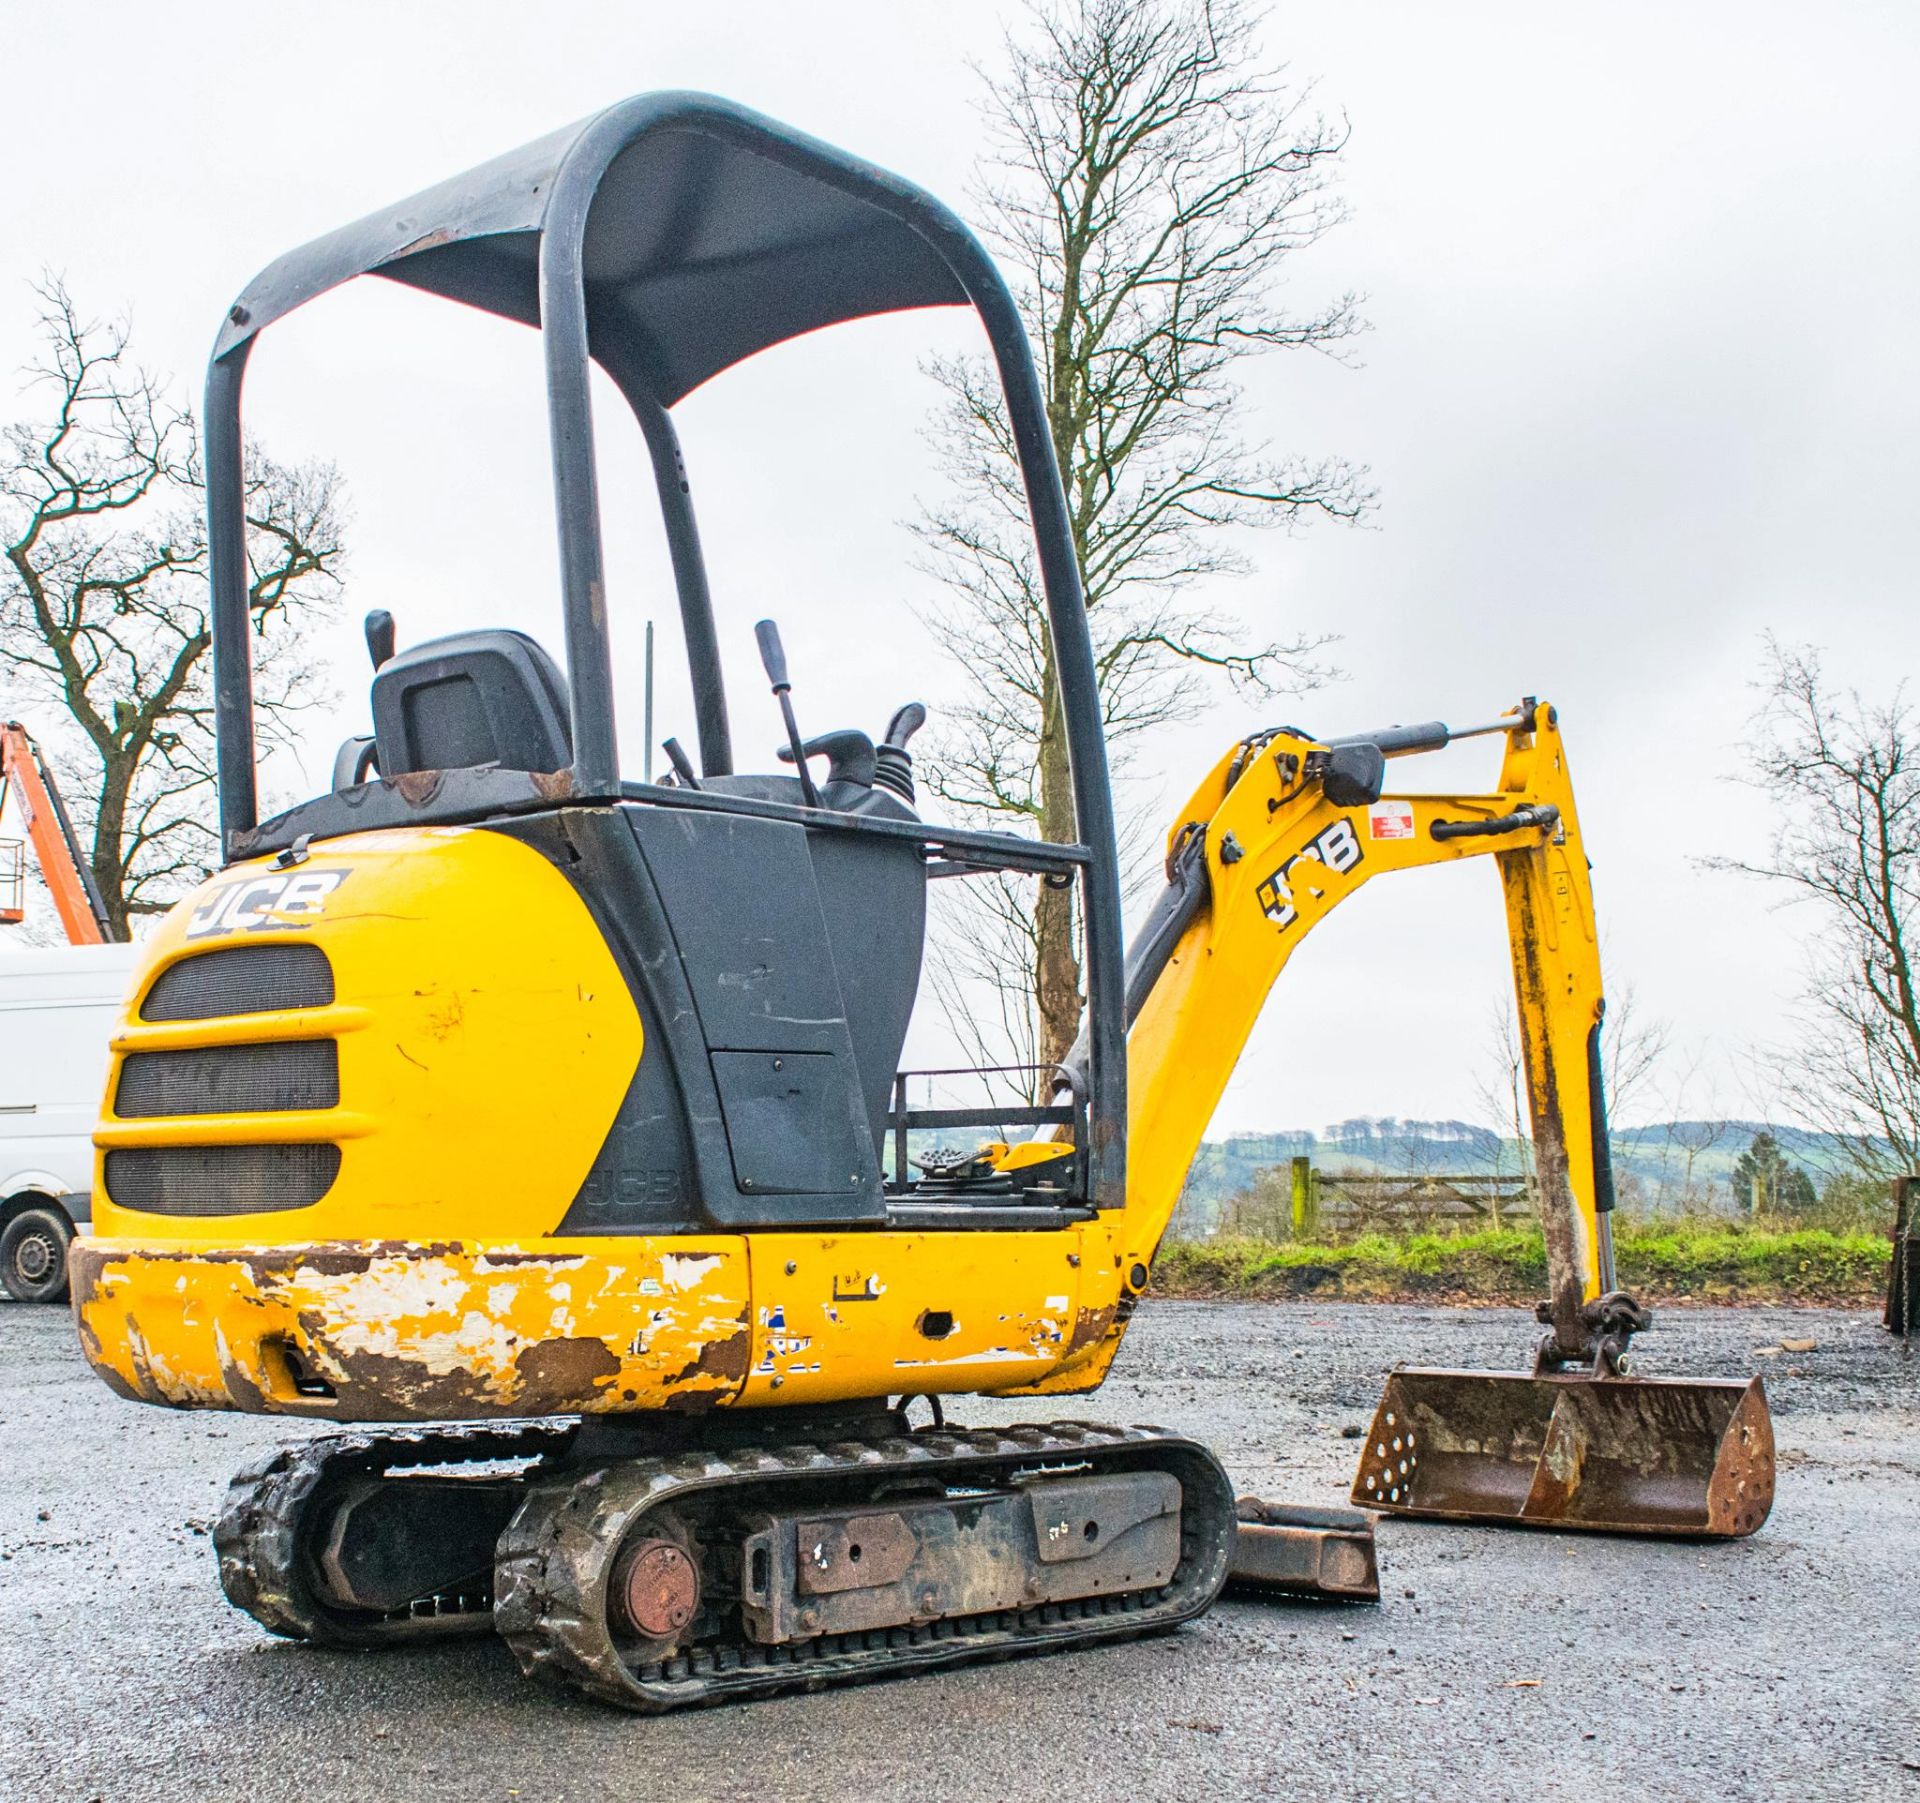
{"type": "Point", "coordinates": [1501, 1664]}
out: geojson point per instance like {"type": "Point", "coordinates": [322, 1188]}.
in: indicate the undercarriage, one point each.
{"type": "Point", "coordinates": [658, 1566]}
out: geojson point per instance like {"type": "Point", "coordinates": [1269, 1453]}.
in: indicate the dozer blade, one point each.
{"type": "Point", "coordinates": [1617, 1455]}
{"type": "Point", "coordinates": [1290, 1549]}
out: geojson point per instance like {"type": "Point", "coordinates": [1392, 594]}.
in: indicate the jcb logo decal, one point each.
{"type": "Point", "coordinates": [294, 899]}
{"type": "Point", "coordinates": [1335, 848]}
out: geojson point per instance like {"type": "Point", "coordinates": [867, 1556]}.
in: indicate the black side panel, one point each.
{"type": "Point", "coordinates": [646, 1176]}
{"type": "Point", "coordinates": [746, 916]}
{"type": "Point", "coordinates": [747, 920]}
{"type": "Point", "coordinates": [717, 925]}
{"type": "Point", "coordinates": [874, 895]}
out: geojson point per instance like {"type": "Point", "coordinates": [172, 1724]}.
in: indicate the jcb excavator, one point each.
{"type": "Point", "coordinates": [560, 1115]}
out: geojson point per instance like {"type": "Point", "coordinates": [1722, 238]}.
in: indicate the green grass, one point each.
{"type": "Point", "coordinates": [1659, 1260]}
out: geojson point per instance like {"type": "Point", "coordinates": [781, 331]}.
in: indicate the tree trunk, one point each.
{"type": "Point", "coordinates": [1056, 953]}
{"type": "Point", "coordinates": [109, 856]}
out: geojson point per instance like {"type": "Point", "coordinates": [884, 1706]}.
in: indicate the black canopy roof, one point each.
{"type": "Point", "coordinates": [709, 237]}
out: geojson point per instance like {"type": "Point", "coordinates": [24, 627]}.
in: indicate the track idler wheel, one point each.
{"type": "Point", "coordinates": [656, 1589]}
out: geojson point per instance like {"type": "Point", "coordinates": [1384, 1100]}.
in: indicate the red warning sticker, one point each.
{"type": "Point", "coordinates": [1390, 820]}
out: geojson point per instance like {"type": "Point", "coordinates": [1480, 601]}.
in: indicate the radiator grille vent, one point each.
{"type": "Point", "coordinates": [237, 1079]}
{"type": "Point", "coordinates": [241, 979]}
{"type": "Point", "coordinates": [220, 1180]}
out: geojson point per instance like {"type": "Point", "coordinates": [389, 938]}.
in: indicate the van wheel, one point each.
{"type": "Point", "coordinates": [33, 1255]}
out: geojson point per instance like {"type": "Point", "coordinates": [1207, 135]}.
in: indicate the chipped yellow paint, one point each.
{"type": "Point", "coordinates": [407, 1332]}
{"type": "Point", "coordinates": [852, 1315]}
{"type": "Point", "coordinates": [403, 1331]}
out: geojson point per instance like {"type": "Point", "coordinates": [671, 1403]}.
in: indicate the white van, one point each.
{"type": "Point", "coordinates": [57, 1011]}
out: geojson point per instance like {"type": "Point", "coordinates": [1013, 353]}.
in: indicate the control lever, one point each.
{"type": "Point", "coordinates": [893, 761]}
{"type": "Point", "coordinates": [905, 723]}
{"type": "Point", "coordinates": [682, 764]}
{"type": "Point", "coordinates": [773, 659]}
{"type": "Point", "coordinates": [850, 756]}
{"type": "Point", "coordinates": [379, 630]}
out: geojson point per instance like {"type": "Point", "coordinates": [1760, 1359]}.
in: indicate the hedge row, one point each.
{"type": "Point", "coordinates": [1658, 1261]}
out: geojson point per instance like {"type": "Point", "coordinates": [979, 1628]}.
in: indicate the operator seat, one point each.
{"type": "Point", "coordinates": [489, 699]}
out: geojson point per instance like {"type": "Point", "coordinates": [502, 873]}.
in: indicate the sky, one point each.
{"type": "Point", "coordinates": [1640, 389]}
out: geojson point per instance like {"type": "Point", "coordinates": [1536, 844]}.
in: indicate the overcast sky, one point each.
{"type": "Point", "coordinates": [1640, 388]}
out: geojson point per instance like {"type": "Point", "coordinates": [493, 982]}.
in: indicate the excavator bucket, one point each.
{"type": "Point", "coordinates": [1616, 1455]}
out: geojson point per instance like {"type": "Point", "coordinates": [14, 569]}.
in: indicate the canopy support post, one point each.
{"type": "Point", "coordinates": [689, 580]}
{"type": "Point", "coordinates": [227, 559]}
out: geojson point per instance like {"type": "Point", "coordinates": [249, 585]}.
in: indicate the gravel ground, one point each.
{"type": "Point", "coordinates": [1782, 1666]}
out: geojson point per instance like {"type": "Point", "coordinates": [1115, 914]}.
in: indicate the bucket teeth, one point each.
{"type": "Point", "coordinates": [1623, 1455]}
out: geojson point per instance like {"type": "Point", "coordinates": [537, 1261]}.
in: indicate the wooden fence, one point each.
{"type": "Point", "coordinates": [1302, 1202]}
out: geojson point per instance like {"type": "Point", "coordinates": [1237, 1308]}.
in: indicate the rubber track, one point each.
{"type": "Point", "coordinates": [261, 1533]}
{"type": "Point", "coordinates": [550, 1582]}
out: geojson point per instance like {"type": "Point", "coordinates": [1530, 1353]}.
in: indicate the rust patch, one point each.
{"type": "Point", "coordinates": [328, 1264]}
{"type": "Point", "coordinates": [1090, 1327]}
{"type": "Point", "coordinates": [505, 1261]}
{"type": "Point", "coordinates": [245, 1393]}
{"type": "Point", "coordinates": [369, 1386]}
{"type": "Point", "coordinates": [559, 1375]}
{"type": "Point", "coordinates": [83, 1277]}
{"type": "Point", "coordinates": [375, 1386]}
{"type": "Point", "coordinates": [694, 1402]}
{"type": "Point", "coordinates": [330, 1261]}
{"type": "Point", "coordinates": [404, 1331]}
{"type": "Point", "coordinates": [726, 1359]}
{"type": "Point", "coordinates": [417, 787]}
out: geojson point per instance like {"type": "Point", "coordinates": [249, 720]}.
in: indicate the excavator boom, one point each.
{"type": "Point", "coordinates": [1283, 830]}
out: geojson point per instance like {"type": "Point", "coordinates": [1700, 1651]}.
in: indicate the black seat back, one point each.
{"type": "Point", "coordinates": [471, 699]}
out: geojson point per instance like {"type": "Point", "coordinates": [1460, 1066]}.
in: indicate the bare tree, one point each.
{"type": "Point", "coordinates": [1633, 1044]}
{"type": "Point", "coordinates": [1695, 1139]}
{"type": "Point", "coordinates": [1688, 1136]}
{"type": "Point", "coordinates": [1632, 1048]}
{"type": "Point", "coordinates": [1843, 774]}
{"type": "Point", "coordinates": [994, 957]}
{"type": "Point", "coordinates": [1500, 1089]}
{"type": "Point", "coordinates": [1151, 181]}
{"type": "Point", "coordinates": [103, 602]}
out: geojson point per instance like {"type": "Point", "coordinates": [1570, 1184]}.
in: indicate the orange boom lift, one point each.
{"type": "Point", "coordinates": [76, 898]}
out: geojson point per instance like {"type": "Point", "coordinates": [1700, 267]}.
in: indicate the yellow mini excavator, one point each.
{"type": "Point", "coordinates": [556, 1119]}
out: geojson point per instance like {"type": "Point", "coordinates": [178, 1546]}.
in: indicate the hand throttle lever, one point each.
{"type": "Point", "coordinates": [773, 659]}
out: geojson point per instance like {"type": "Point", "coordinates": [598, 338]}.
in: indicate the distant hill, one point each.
{"type": "Point", "coordinates": [1654, 1155]}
